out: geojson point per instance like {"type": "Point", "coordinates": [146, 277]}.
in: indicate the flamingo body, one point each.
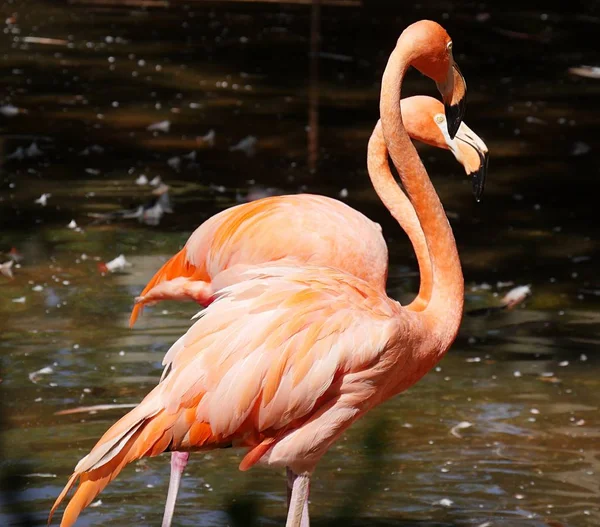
{"type": "Point", "coordinates": [282, 362]}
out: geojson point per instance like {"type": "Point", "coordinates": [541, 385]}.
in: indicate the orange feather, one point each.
{"type": "Point", "coordinates": [177, 266]}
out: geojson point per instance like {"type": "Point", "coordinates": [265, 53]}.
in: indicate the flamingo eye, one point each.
{"type": "Point", "coordinates": [439, 118]}
{"type": "Point", "coordinates": [449, 46]}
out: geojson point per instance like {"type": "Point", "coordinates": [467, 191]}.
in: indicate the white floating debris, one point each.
{"type": "Point", "coordinates": [445, 502]}
{"type": "Point", "coordinates": [460, 426]}
{"type": "Point", "coordinates": [34, 376]}
{"type": "Point", "coordinates": [174, 162]}
{"type": "Point", "coordinates": [580, 148]}
{"type": "Point", "coordinates": [43, 199]}
{"type": "Point", "coordinates": [19, 300]}
{"type": "Point", "coordinates": [161, 126]}
{"type": "Point", "coordinates": [563, 363]}
{"type": "Point", "coordinates": [41, 475]}
{"type": "Point", "coordinates": [94, 149]}
{"type": "Point", "coordinates": [191, 156]}
{"type": "Point", "coordinates": [33, 150]}
{"type": "Point", "coordinates": [19, 154]}
{"type": "Point", "coordinates": [344, 193]}
{"type": "Point", "coordinates": [6, 268]}
{"type": "Point", "coordinates": [156, 181]}
{"type": "Point", "coordinates": [580, 259]}
{"type": "Point", "coordinates": [72, 225]}
{"type": "Point", "coordinates": [209, 138]}
{"type": "Point", "coordinates": [8, 110]}
{"type": "Point", "coordinates": [246, 145]}
{"type": "Point", "coordinates": [534, 120]}
{"type": "Point", "coordinates": [591, 72]}
{"type": "Point", "coordinates": [517, 373]}
{"type": "Point", "coordinates": [37, 288]}
{"type": "Point", "coordinates": [501, 285]}
{"type": "Point", "coordinates": [97, 503]}
{"type": "Point", "coordinates": [481, 287]}
{"type": "Point", "coordinates": [516, 296]}
{"type": "Point", "coordinates": [117, 264]}
{"type": "Point", "coordinates": [141, 180]}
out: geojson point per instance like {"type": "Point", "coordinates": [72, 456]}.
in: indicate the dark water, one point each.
{"type": "Point", "coordinates": [524, 383]}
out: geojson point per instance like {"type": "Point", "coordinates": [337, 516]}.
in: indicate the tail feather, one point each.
{"type": "Point", "coordinates": [90, 485]}
{"type": "Point", "coordinates": [62, 495]}
{"type": "Point", "coordinates": [177, 266]}
{"type": "Point", "coordinates": [143, 432]}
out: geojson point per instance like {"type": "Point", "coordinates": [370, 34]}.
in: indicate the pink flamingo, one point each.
{"type": "Point", "coordinates": [287, 357]}
{"type": "Point", "coordinates": [324, 230]}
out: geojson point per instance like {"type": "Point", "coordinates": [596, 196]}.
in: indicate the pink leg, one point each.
{"type": "Point", "coordinates": [297, 498]}
{"type": "Point", "coordinates": [178, 463]}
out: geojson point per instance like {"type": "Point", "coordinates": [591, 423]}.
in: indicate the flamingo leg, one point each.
{"type": "Point", "coordinates": [298, 490]}
{"type": "Point", "coordinates": [179, 461]}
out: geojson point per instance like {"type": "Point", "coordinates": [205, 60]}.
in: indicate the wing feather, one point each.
{"type": "Point", "coordinates": [275, 339]}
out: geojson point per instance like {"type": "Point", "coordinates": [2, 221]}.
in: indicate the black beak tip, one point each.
{"type": "Point", "coordinates": [454, 116]}
{"type": "Point", "coordinates": [478, 177]}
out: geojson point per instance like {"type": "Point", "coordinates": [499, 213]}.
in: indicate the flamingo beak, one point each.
{"type": "Point", "coordinates": [454, 94]}
{"type": "Point", "coordinates": [480, 175]}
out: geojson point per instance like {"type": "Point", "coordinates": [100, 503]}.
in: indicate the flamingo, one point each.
{"type": "Point", "coordinates": [313, 229]}
{"type": "Point", "coordinates": [288, 356]}
{"type": "Point", "coordinates": [424, 121]}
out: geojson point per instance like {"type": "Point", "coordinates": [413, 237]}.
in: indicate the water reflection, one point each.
{"type": "Point", "coordinates": [504, 432]}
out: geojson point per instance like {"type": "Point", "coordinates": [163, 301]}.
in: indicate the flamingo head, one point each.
{"type": "Point", "coordinates": [432, 56]}
{"type": "Point", "coordinates": [425, 121]}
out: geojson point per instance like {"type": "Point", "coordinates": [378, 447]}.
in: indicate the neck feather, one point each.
{"type": "Point", "coordinates": [402, 210]}
{"type": "Point", "coordinates": [444, 312]}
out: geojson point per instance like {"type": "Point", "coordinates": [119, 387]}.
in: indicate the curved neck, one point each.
{"type": "Point", "coordinates": [444, 311]}
{"type": "Point", "coordinates": [402, 210]}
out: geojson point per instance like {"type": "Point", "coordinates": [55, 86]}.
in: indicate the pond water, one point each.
{"type": "Point", "coordinates": [505, 432]}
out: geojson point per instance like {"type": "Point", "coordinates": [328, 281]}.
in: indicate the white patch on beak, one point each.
{"type": "Point", "coordinates": [440, 121]}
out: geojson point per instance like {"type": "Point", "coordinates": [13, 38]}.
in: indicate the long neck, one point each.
{"type": "Point", "coordinates": [444, 311]}
{"type": "Point", "coordinates": [402, 210]}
